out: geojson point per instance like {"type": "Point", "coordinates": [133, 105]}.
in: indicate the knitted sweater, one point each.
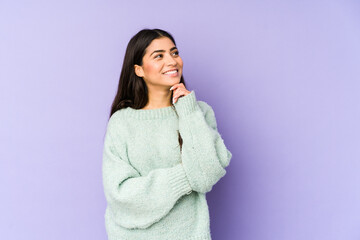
{"type": "Point", "coordinates": [155, 190]}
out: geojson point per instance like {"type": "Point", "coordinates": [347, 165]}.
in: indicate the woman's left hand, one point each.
{"type": "Point", "coordinates": [178, 91]}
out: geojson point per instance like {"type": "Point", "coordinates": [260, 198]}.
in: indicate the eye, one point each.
{"type": "Point", "coordinates": [176, 53]}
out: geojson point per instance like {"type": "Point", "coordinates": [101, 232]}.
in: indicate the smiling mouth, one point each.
{"type": "Point", "coordinates": [171, 72]}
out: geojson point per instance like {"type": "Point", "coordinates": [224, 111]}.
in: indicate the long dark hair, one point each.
{"type": "Point", "coordinates": [132, 90]}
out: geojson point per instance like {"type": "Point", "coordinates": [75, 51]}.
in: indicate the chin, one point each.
{"type": "Point", "coordinates": [173, 80]}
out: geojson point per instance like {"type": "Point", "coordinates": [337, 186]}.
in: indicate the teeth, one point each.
{"type": "Point", "coordinates": [171, 72]}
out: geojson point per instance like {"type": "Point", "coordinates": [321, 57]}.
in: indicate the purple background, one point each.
{"type": "Point", "coordinates": [282, 77]}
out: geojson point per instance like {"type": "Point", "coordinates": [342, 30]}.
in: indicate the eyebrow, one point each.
{"type": "Point", "coordinates": [162, 50]}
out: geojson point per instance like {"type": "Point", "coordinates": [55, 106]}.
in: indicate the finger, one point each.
{"type": "Point", "coordinates": [175, 99]}
{"type": "Point", "coordinates": [179, 90]}
{"type": "Point", "coordinates": [178, 93]}
{"type": "Point", "coordinates": [174, 87]}
{"type": "Point", "coordinates": [177, 96]}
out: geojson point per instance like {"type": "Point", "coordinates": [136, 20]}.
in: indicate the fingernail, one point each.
{"type": "Point", "coordinates": [173, 101]}
{"type": "Point", "coordinates": [171, 88]}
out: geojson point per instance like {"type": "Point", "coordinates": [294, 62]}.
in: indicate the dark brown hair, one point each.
{"type": "Point", "coordinates": [132, 90]}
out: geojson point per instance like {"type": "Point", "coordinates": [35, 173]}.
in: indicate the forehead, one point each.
{"type": "Point", "coordinates": [163, 43]}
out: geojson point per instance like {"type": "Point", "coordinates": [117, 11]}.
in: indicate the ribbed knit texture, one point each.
{"type": "Point", "coordinates": [154, 189]}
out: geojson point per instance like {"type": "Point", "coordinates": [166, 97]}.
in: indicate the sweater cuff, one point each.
{"type": "Point", "coordinates": [178, 181]}
{"type": "Point", "coordinates": [186, 104]}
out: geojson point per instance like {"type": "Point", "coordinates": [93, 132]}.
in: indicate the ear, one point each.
{"type": "Point", "coordinates": [139, 70]}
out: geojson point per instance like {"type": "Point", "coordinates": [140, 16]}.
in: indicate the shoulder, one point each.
{"type": "Point", "coordinates": [117, 123]}
{"type": "Point", "coordinates": [205, 107]}
{"type": "Point", "coordinates": [116, 118]}
{"type": "Point", "coordinates": [117, 135]}
{"type": "Point", "coordinates": [208, 112]}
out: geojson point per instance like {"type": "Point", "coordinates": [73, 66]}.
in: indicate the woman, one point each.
{"type": "Point", "coordinates": [162, 151]}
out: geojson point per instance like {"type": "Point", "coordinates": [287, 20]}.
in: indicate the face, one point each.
{"type": "Point", "coordinates": [162, 65]}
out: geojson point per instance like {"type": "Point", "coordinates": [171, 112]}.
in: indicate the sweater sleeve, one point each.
{"type": "Point", "coordinates": [137, 201]}
{"type": "Point", "coordinates": [204, 154]}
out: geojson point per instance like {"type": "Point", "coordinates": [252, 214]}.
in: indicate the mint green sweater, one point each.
{"type": "Point", "coordinates": [155, 190]}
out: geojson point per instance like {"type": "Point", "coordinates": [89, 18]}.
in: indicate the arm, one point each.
{"type": "Point", "coordinates": [204, 154]}
{"type": "Point", "coordinates": [139, 201]}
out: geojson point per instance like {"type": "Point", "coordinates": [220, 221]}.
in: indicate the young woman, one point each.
{"type": "Point", "coordinates": [162, 150]}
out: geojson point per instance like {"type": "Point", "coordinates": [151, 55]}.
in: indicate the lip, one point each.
{"type": "Point", "coordinates": [171, 70]}
{"type": "Point", "coordinates": [176, 74]}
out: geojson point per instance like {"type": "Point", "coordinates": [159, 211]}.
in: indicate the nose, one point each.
{"type": "Point", "coordinates": [170, 60]}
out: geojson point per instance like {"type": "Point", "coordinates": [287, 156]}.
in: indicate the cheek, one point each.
{"type": "Point", "coordinates": [151, 69]}
{"type": "Point", "coordinates": [180, 61]}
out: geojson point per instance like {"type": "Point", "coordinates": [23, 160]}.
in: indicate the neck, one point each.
{"type": "Point", "coordinates": [158, 99]}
